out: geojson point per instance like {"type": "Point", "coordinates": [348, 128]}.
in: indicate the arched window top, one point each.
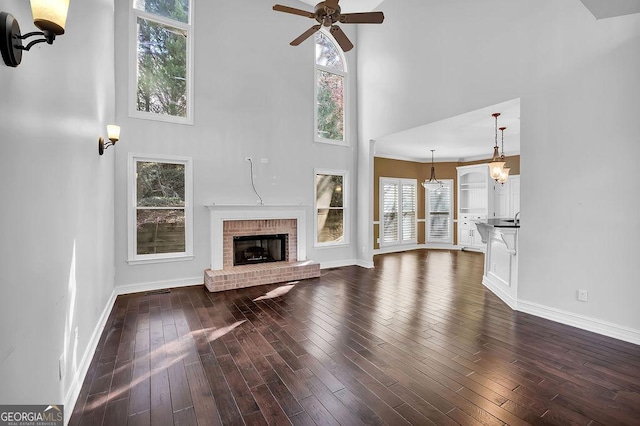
{"type": "Point", "coordinates": [327, 53]}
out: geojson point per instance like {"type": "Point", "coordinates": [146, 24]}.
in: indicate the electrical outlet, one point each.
{"type": "Point", "coordinates": [247, 159]}
{"type": "Point", "coordinates": [264, 160]}
{"type": "Point", "coordinates": [583, 295]}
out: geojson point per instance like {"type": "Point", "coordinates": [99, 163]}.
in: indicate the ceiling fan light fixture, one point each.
{"type": "Point", "coordinates": [327, 13]}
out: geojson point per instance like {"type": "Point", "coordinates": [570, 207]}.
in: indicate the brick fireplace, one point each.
{"type": "Point", "coordinates": [229, 222]}
{"type": "Point", "coordinates": [244, 228]}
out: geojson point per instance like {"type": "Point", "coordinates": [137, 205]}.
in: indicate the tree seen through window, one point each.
{"type": "Point", "coordinates": [330, 80]}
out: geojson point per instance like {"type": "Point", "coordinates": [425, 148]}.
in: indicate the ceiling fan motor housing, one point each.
{"type": "Point", "coordinates": [322, 13]}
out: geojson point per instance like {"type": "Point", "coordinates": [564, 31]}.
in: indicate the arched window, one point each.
{"type": "Point", "coordinates": [331, 74]}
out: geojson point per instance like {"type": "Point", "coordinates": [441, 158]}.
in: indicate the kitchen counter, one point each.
{"type": "Point", "coordinates": [501, 258]}
{"type": "Point", "coordinates": [502, 223]}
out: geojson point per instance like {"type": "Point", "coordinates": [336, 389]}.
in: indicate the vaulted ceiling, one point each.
{"type": "Point", "coordinates": [467, 136]}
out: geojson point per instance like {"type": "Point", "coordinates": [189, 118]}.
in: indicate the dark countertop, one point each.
{"type": "Point", "coordinates": [500, 223]}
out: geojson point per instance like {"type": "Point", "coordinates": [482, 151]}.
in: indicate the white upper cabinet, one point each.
{"type": "Point", "coordinates": [475, 202]}
{"type": "Point", "coordinates": [506, 200]}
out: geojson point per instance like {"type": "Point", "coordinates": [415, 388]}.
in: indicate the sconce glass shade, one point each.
{"type": "Point", "coordinates": [113, 132]}
{"type": "Point", "coordinates": [50, 15]}
{"type": "Point", "coordinates": [504, 176]}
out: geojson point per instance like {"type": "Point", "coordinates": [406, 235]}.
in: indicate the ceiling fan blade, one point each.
{"type": "Point", "coordinates": [293, 10]}
{"type": "Point", "coordinates": [362, 18]}
{"type": "Point", "coordinates": [331, 4]}
{"type": "Point", "coordinates": [305, 35]}
{"type": "Point", "coordinates": [341, 38]}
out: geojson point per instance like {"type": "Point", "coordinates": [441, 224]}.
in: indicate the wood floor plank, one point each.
{"type": "Point", "coordinates": [206, 411]}
{"type": "Point", "coordinates": [269, 407]}
{"type": "Point", "coordinates": [225, 402]}
{"type": "Point", "coordinates": [241, 393]}
{"type": "Point", "coordinates": [416, 340]}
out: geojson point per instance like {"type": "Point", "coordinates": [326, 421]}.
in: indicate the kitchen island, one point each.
{"type": "Point", "coordinates": [501, 258]}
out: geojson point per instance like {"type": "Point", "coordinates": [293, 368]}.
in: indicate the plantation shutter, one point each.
{"type": "Point", "coordinates": [398, 198]}
{"type": "Point", "coordinates": [439, 207]}
{"type": "Point", "coordinates": [408, 211]}
{"type": "Point", "coordinates": [390, 211]}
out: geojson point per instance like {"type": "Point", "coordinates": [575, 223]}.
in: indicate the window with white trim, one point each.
{"type": "Point", "coordinates": [160, 208]}
{"type": "Point", "coordinates": [439, 208]}
{"type": "Point", "coordinates": [160, 81]}
{"type": "Point", "coordinates": [330, 207]}
{"type": "Point", "coordinates": [330, 80]}
{"type": "Point", "coordinates": [398, 211]}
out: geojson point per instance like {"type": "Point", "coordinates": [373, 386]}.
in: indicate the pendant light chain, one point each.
{"type": "Point", "coordinates": [497, 163]}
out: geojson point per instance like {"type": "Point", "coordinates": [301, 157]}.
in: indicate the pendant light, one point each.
{"type": "Point", "coordinates": [497, 163]}
{"type": "Point", "coordinates": [504, 175]}
{"type": "Point", "coordinates": [432, 183]}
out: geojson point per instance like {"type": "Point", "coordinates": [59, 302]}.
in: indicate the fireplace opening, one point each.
{"type": "Point", "coordinates": [252, 249]}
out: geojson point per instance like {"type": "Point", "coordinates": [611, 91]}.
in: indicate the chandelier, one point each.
{"type": "Point", "coordinates": [504, 174]}
{"type": "Point", "coordinates": [497, 162]}
{"type": "Point", "coordinates": [432, 183]}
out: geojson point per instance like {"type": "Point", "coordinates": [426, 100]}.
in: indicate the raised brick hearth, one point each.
{"type": "Point", "coordinates": [264, 273]}
{"type": "Point", "coordinates": [230, 221]}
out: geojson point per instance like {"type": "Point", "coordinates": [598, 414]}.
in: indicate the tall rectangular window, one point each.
{"type": "Point", "coordinates": [330, 191]}
{"type": "Point", "coordinates": [160, 82]}
{"type": "Point", "coordinates": [331, 73]}
{"type": "Point", "coordinates": [398, 208]}
{"type": "Point", "coordinates": [439, 207]}
{"type": "Point", "coordinates": [160, 218]}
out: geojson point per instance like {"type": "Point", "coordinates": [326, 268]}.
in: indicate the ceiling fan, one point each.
{"type": "Point", "coordinates": [327, 13]}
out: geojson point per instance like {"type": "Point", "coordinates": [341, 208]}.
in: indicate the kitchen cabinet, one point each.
{"type": "Point", "coordinates": [507, 198]}
{"type": "Point", "coordinates": [501, 258]}
{"type": "Point", "coordinates": [475, 202]}
{"type": "Point", "coordinates": [468, 236]}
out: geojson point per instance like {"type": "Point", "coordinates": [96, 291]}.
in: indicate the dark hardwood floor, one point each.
{"type": "Point", "coordinates": [417, 340]}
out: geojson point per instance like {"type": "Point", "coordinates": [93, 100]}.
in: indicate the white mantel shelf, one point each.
{"type": "Point", "coordinates": [219, 213]}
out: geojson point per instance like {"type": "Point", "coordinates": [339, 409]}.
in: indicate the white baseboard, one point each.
{"type": "Point", "coordinates": [408, 247]}
{"type": "Point", "coordinates": [71, 397]}
{"type": "Point", "coordinates": [580, 321]}
{"type": "Point", "coordinates": [365, 263]}
{"type": "Point", "coordinates": [498, 291]}
{"type": "Point", "coordinates": [397, 249]}
{"type": "Point", "coordinates": [337, 263]}
{"type": "Point", "coordinates": [158, 285]}
{"type": "Point", "coordinates": [439, 246]}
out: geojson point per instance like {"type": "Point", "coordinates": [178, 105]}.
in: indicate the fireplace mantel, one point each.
{"type": "Point", "coordinates": [219, 213]}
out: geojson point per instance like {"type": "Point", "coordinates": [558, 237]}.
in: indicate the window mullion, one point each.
{"type": "Point", "coordinates": [161, 20]}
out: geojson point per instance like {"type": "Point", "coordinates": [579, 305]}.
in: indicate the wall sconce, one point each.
{"type": "Point", "coordinates": [113, 134]}
{"type": "Point", "coordinates": [48, 15]}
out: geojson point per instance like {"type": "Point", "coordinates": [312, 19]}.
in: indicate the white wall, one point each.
{"type": "Point", "coordinates": [254, 96]}
{"type": "Point", "coordinates": [579, 87]}
{"type": "Point", "coordinates": [57, 263]}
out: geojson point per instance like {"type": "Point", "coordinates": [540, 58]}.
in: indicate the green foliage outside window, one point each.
{"type": "Point", "coordinates": [330, 106]}
{"type": "Point", "coordinates": [330, 89]}
{"type": "Point", "coordinates": [330, 208]}
{"type": "Point", "coordinates": [162, 59]}
{"type": "Point", "coordinates": [160, 200]}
